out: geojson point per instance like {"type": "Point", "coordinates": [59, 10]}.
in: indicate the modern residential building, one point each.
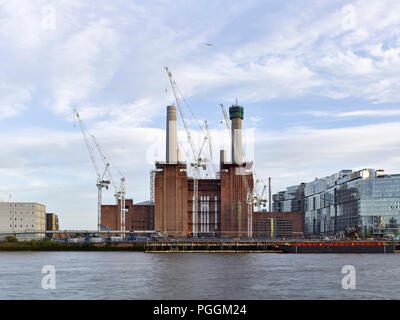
{"type": "Point", "coordinates": [365, 201]}
{"type": "Point", "coordinates": [52, 223]}
{"type": "Point", "coordinates": [277, 205]}
{"type": "Point", "coordinates": [21, 217]}
{"type": "Point", "coordinates": [291, 200]}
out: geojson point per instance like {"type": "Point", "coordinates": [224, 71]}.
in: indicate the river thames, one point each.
{"type": "Point", "coordinates": [136, 275]}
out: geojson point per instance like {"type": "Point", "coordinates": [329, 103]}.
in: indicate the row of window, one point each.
{"type": "Point", "coordinates": [21, 226]}
{"type": "Point", "coordinates": [22, 205]}
{"type": "Point", "coordinates": [26, 212]}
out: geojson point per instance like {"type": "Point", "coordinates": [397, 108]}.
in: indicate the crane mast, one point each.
{"type": "Point", "coordinates": [211, 164]}
{"type": "Point", "coordinates": [119, 193]}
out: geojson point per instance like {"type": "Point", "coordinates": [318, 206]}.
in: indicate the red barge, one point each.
{"type": "Point", "coordinates": [338, 247]}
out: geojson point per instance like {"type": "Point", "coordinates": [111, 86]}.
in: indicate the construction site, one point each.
{"type": "Point", "coordinates": [201, 196]}
{"type": "Point", "coordinates": [199, 203]}
{"type": "Point", "coordinates": [194, 197]}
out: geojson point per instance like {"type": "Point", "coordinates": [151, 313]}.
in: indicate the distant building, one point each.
{"type": "Point", "coordinates": [52, 223]}
{"type": "Point", "coordinates": [291, 200]}
{"type": "Point", "coordinates": [278, 199]}
{"type": "Point", "coordinates": [143, 216]}
{"type": "Point", "coordinates": [365, 201]}
{"type": "Point", "coordinates": [23, 217]}
{"type": "Point", "coordinates": [278, 225]}
{"type": "Point", "coordinates": [138, 216]}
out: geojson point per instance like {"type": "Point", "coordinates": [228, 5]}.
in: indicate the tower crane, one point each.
{"type": "Point", "coordinates": [119, 193]}
{"type": "Point", "coordinates": [210, 147]}
{"type": "Point", "coordinates": [197, 161]}
{"type": "Point", "coordinates": [227, 120]}
{"type": "Point", "coordinates": [260, 201]}
{"type": "Point", "coordinates": [101, 182]}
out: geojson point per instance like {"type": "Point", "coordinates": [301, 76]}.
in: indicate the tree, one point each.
{"type": "Point", "coordinates": [11, 239]}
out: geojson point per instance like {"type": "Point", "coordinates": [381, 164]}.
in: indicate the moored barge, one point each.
{"type": "Point", "coordinates": [296, 247]}
{"type": "Point", "coordinates": [338, 247]}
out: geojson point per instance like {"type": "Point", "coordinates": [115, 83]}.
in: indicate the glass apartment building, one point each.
{"type": "Point", "coordinates": [367, 200]}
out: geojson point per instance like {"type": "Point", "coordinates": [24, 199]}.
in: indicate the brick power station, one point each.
{"type": "Point", "coordinates": [222, 206]}
{"type": "Point", "coordinates": [222, 209]}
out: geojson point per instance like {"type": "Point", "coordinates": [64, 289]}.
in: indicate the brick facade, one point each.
{"type": "Point", "coordinates": [284, 224]}
{"type": "Point", "coordinates": [138, 216]}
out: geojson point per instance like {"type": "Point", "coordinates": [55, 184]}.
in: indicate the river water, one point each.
{"type": "Point", "coordinates": [136, 275]}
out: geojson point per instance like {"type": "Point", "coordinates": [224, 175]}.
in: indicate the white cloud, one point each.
{"type": "Point", "coordinates": [354, 113]}
{"type": "Point", "coordinates": [106, 60]}
{"type": "Point", "coordinates": [299, 154]}
{"type": "Point", "coordinates": [12, 100]}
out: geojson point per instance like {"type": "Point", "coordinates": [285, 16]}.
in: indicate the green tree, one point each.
{"type": "Point", "coordinates": [11, 239]}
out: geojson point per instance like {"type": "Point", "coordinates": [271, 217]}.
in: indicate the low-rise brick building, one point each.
{"type": "Point", "coordinates": [138, 216]}
{"type": "Point", "coordinates": [278, 225]}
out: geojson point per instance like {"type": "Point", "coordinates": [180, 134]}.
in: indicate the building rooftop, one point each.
{"type": "Point", "coordinates": [145, 203]}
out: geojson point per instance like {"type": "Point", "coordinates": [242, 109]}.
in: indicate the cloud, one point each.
{"type": "Point", "coordinates": [354, 113]}
{"type": "Point", "coordinates": [110, 58]}
{"type": "Point", "coordinates": [106, 60]}
{"type": "Point", "coordinates": [299, 154]}
{"type": "Point", "coordinates": [12, 100]}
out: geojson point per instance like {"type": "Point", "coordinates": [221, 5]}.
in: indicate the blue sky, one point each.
{"type": "Point", "coordinates": [319, 81]}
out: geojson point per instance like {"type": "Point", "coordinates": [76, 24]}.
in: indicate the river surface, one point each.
{"type": "Point", "coordinates": [136, 275]}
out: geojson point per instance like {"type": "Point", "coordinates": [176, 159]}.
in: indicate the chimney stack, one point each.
{"type": "Point", "coordinates": [222, 158]}
{"type": "Point", "coordinates": [180, 155]}
{"type": "Point", "coordinates": [236, 114]}
{"type": "Point", "coordinates": [172, 146]}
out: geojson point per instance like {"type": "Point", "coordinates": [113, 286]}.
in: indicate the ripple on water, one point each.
{"type": "Point", "coordinates": [135, 275]}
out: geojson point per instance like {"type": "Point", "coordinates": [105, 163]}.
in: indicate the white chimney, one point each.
{"type": "Point", "coordinates": [172, 146]}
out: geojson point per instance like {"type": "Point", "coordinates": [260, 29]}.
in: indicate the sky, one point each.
{"type": "Point", "coordinates": [319, 81]}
